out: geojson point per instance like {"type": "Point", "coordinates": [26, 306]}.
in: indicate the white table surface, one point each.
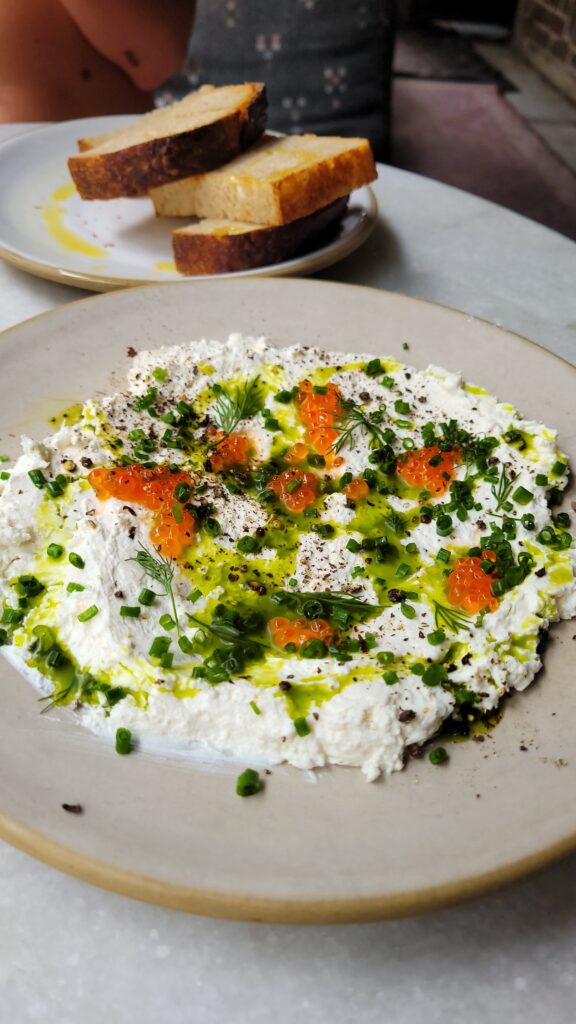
{"type": "Point", "coordinates": [72, 954]}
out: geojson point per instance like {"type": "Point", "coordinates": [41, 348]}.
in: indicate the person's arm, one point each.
{"type": "Point", "coordinates": [147, 39]}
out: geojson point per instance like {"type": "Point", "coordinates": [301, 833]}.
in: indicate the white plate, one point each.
{"type": "Point", "coordinates": [164, 830]}
{"type": "Point", "coordinates": [46, 229]}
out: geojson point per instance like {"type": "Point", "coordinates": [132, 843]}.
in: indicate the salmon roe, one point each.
{"type": "Point", "coordinates": [319, 413]}
{"type": "Point", "coordinates": [469, 587]}
{"type": "Point", "coordinates": [356, 490]}
{"type": "Point", "coordinates": [415, 469]}
{"type": "Point", "coordinates": [295, 489]}
{"type": "Point", "coordinates": [230, 451]}
{"type": "Point", "coordinates": [298, 453]}
{"type": "Point", "coordinates": [299, 631]}
{"type": "Point", "coordinates": [173, 526]}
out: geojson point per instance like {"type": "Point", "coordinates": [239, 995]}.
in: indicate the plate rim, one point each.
{"type": "Point", "coordinates": [309, 263]}
{"type": "Point", "coordinates": [233, 906]}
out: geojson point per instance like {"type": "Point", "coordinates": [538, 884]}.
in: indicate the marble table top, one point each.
{"type": "Point", "coordinates": [70, 952]}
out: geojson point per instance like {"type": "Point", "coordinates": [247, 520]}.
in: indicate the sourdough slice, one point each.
{"type": "Point", "coordinates": [279, 180]}
{"type": "Point", "coordinates": [202, 131]}
{"type": "Point", "coordinates": [219, 246]}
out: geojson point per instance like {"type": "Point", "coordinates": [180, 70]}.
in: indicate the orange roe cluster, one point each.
{"type": "Point", "coordinates": [299, 631]}
{"type": "Point", "coordinates": [230, 451]}
{"type": "Point", "coordinates": [297, 490]}
{"type": "Point", "coordinates": [415, 469]}
{"type": "Point", "coordinates": [356, 490]}
{"type": "Point", "coordinates": [319, 413]}
{"type": "Point", "coordinates": [173, 527]}
{"type": "Point", "coordinates": [469, 587]}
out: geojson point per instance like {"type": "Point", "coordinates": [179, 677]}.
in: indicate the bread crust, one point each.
{"type": "Point", "coordinates": [220, 254]}
{"type": "Point", "coordinates": [134, 170]}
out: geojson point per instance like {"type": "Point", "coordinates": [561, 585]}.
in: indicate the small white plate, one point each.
{"type": "Point", "coordinates": [46, 229]}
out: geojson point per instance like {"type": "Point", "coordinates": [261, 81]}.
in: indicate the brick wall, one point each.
{"type": "Point", "coordinates": [545, 33]}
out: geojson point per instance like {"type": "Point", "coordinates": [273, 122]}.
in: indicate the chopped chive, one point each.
{"type": "Point", "coordinates": [185, 645]}
{"type": "Point", "coordinates": [390, 677]}
{"type": "Point", "coordinates": [285, 396]}
{"type": "Point", "coordinates": [405, 346]}
{"type": "Point", "coordinates": [146, 597]}
{"type": "Point", "coordinates": [320, 389]}
{"type": "Point", "coordinates": [130, 611]}
{"type": "Point", "coordinates": [434, 674]}
{"type": "Point", "coordinates": [315, 460]}
{"type": "Point", "coordinates": [73, 587]}
{"type": "Point", "coordinates": [193, 597]}
{"type": "Point", "coordinates": [159, 373]}
{"type": "Point", "coordinates": [248, 545]}
{"type": "Point", "coordinates": [89, 613]}
{"type": "Point", "coordinates": [248, 783]}
{"type": "Point", "coordinates": [438, 756]}
{"type": "Point", "coordinates": [212, 526]}
{"type": "Point", "coordinates": [123, 741]}
{"type": "Point", "coordinates": [4, 475]}
{"type": "Point", "coordinates": [443, 555]}
{"type": "Point", "coordinates": [29, 586]}
{"type": "Point", "coordinates": [301, 726]}
{"type": "Point", "coordinates": [407, 610]}
{"type": "Point", "coordinates": [444, 525]}
{"type": "Point", "coordinates": [387, 382]}
{"type": "Point", "coordinates": [4, 638]}
{"type": "Point", "coordinates": [374, 368]}
{"type": "Point", "coordinates": [182, 491]}
{"type": "Point", "coordinates": [521, 496]}
{"type": "Point", "coordinates": [167, 622]}
{"type": "Point", "coordinates": [403, 571]}
{"type": "Point", "coordinates": [159, 646]}
{"type": "Point", "coordinates": [294, 485]}
{"type": "Point", "coordinates": [255, 707]}
{"type": "Point", "coordinates": [54, 550]}
{"type": "Point", "coordinates": [353, 545]}
{"type": "Point", "coordinates": [557, 469]}
{"type": "Point", "coordinates": [167, 660]}
{"type": "Point", "coordinates": [56, 658]}
{"type": "Point", "coordinates": [12, 616]}
{"type": "Point", "coordinates": [412, 548]}
{"type": "Point", "coordinates": [541, 480]}
{"type": "Point", "coordinates": [37, 477]}
{"type": "Point", "coordinates": [402, 407]}
{"type": "Point", "coordinates": [437, 637]}
{"type": "Point", "coordinates": [177, 511]}
{"type": "Point", "coordinates": [4, 458]}
{"type": "Point", "coordinates": [76, 560]}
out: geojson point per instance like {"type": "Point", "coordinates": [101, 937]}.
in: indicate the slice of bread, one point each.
{"type": "Point", "coordinates": [279, 180]}
{"type": "Point", "coordinates": [91, 141]}
{"type": "Point", "coordinates": [196, 134]}
{"type": "Point", "coordinates": [218, 246]}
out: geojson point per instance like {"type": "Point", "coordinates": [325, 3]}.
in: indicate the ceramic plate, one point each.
{"type": "Point", "coordinates": [322, 848]}
{"type": "Point", "coordinates": [46, 229]}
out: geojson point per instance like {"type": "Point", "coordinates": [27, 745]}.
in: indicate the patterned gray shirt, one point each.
{"type": "Point", "coordinates": [326, 63]}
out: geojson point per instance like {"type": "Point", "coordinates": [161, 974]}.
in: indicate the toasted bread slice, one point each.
{"type": "Point", "coordinates": [219, 246]}
{"type": "Point", "coordinates": [196, 134]}
{"type": "Point", "coordinates": [279, 180]}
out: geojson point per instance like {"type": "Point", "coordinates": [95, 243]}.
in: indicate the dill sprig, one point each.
{"type": "Point", "coordinates": [353, 419]}
{"type": "Point", "coordinates": [502, 488]}
{"type": "Point", "coordinates": [161, 570]}
{"type": "Point", "coordinates": [224, 631]}
{"type": "Point", "coordinates": [57, 697]}
{"type": "Point", "coordinates": [342, 609]}
{"type": "Point", "coordinates": [231, 407]}
{"type": "Point", "coordinates": [450, 617]}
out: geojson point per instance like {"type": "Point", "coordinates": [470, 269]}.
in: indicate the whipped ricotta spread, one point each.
{"type": "Point", "coordinates": [284, 555]}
